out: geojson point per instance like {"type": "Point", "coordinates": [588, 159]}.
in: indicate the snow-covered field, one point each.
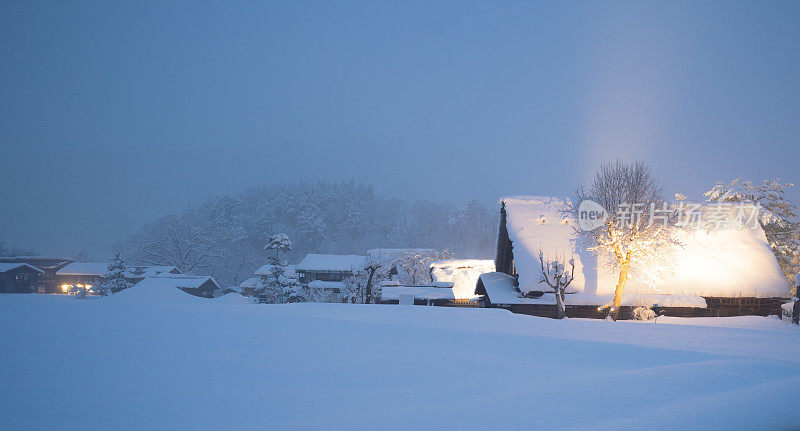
{"type": "Point", "coordinates": [182, 363]}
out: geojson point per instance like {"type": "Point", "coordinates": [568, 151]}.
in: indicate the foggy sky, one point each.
{"type": "Point", "coordinates": [112, 114]}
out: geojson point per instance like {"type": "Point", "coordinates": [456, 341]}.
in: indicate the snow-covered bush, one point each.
{"type": "Point", "coordinates": [644, 313]}
{"type": "Point", "coordinates": [115, 281]}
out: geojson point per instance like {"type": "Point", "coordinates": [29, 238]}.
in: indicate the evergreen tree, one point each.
{"type": "Point", "coordinates": [282, 284]}
{"type": "Point", "coordinates": [115, 281]}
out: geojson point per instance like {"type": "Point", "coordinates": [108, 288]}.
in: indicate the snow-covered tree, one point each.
{"type": "Point", "coordinates": [114, 280]}
{"type": "Point", "coordinates": [278, 243]}
{"type": "Point", "coordinates": [83, 257]}
{"type": "Point", "coordinates": [7, 251]}
{"type": "Point", "coordinates": [639, 233]}
{"type": "Point", "coordinates": [556, 275]}
{"type": "Point", "coordinates": [364, 286]}
{"type": "Point", "coordinates": [181, 241]}
{"type": "Point", "coordinates": [777, 216]}
{"type": "Point", "coordinates": [282, 284]}
{"type": "Point", "coordinates": [414, 266]}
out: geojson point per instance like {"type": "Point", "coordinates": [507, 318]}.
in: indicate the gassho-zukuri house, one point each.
{"type": "Point", "coordinates": [717, 272]}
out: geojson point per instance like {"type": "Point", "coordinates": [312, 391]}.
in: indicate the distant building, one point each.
{"type": "Point", "coordinates": [327, 267]}
{"type": "Point", "coordinates": [440, 294]}
{"type": "Point", "coordinates": [249, 286]}
{"type": "Point", "coordinates": [48, 265]}
{"type": "Point", "coordinates": [91, 274]}
{"type": "Point", "coordinates": [19, 278]}
{"type": "Point", "coordinates": [202, 286]}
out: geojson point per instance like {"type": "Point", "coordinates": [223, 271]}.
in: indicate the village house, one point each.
{"type": "Point", "coordinates": [327, 267]}
{"type": "Point", "coordinates": [48, 265]}
{"type": "Point", "coordinates": [717, 272]}
{"type": "Point", "coordinates": [440, 294]}
{"type": "Point", "coordinates": [201, 286]}
{"type": "Point", "coordinates": [90, 275]}
{"type": "Point", "coordinates": [19, 278]}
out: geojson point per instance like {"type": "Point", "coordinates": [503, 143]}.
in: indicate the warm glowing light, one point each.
{"type": "Point", "coordinates": [65, 287]}
{"type": "Point", "coordinates": [79, 285]}
{"type": "Point", "coordinates": [87, 286]}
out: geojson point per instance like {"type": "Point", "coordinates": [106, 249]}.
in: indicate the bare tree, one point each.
{"type": "Point", "coordinates": [640, 227]}
{"type": "Point", "coordinates": [178, 242]}
{"type": "Point", "coordinates": [554, 274]}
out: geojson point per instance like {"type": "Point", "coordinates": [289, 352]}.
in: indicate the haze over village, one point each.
{"type": "Point", "coordinates": [393, 215]}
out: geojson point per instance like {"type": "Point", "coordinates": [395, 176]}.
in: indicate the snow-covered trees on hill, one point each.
{"type": "Point", "coordinates": [224, 236]}
{"type": "Point", "coordinates": [777, 216]}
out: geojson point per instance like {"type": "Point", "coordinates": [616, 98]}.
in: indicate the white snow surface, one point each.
{"type": "Point", "coordinates": [9, 266]}
{"type": "Point", "coordinates": [463, 273]}
{"type": "Point", "coordinates": [723, 262]}
{"type": "Point", "coordinates": [204, 364]}
{"type": "Point", "coordinates": [330, 262]}
{"type": "Point", "coordinates": [252, 283]}
{"type": "Point", "coordinates": [326, 285]}
{"type": "Point", "coordinates": [393, 293]}
{"type": "Point", "coordinates": [84, 268]}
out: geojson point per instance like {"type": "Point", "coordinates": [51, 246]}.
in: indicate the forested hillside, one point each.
{"type": "Point", "coordinates": [225, 235]}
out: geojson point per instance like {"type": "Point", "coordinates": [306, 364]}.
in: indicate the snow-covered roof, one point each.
{"type": "Point", "coordinates": [392, 293]}
{"type": "Point", "coordinates": [267, 269]}
{"type": "Point", "coordinates": [161, 290]}
{"type": "Point", "coordinates": [176, 280]}
{"type": "Point", "coordinates": [501, 290]}
{"type": "Point", "coordinates": [463, 273]}
{"type": "Point", "coordinates": [727, 262]}
{"type": "Point", "coordinates": [9, 266]}
{"type": "Point", "coordinates": [84, 268]}
{"type": "Point", "coordinates": [326, 285]}
{"type": "Point", "coordinates": [330, 262]}
{"type": "Point", "coordinates": [251, 283]}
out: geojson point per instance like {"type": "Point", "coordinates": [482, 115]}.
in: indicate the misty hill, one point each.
{"type": "Point", "coordinates": [225, 235]}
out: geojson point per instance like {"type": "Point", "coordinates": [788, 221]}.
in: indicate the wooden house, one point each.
{"type": "Point", "coordinates": [327, 267]}
{"type": "Point", "coordinates": [19, 278]}
{"type": "Point", "coordinates": [92, 274]}
{"type": "Point", "coordinates": [49, 267]}
{"type": "Point", "coordinates": [717, 272]}
{"type": "Point", "coordinates": [202, 286]}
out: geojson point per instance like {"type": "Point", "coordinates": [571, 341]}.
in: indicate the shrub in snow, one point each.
{"type": "Point", "coordinates": [644, 313]}
{"type": "Point", "coordinates": [115, 281]}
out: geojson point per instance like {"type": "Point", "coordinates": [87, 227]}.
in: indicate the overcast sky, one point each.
{"type": "Point", "coordinates": [112, 114]}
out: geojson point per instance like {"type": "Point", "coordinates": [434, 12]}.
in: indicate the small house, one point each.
{"type": "Point", "coordinates": [48, 265]}
{"type": "Point", "coordinates": [440, 294]}
{"type": "Point", "coordinates": [19, 278]}
{"type": "Point", "coordinates": [202, 286]}
{"type": "Point", "coordinates": [327, 267]}
{"type": "Point", "coordinates": [91, 274]}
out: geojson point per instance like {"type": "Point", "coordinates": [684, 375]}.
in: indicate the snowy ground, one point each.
{"type": "Point", "coordinates": [126, 363]}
